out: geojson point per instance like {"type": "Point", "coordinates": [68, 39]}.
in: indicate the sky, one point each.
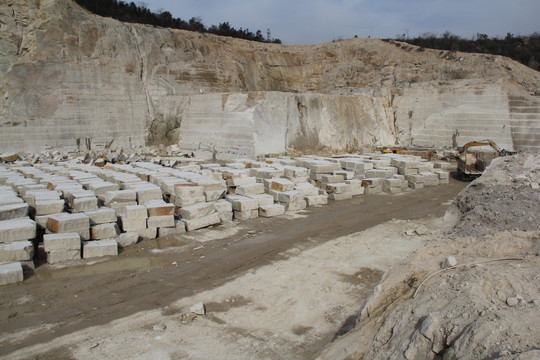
{"type": "Point", "coordinates": [317, 21]}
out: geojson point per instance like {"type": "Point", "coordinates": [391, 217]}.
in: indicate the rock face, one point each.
{"type": "Point", "coordinates": [71, 79]}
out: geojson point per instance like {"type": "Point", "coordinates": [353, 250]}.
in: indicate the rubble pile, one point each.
{"type": "Point", "coordinates": [74, 208]}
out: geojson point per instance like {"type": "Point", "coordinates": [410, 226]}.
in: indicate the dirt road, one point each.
{"type": "Point", "coordinates": [57, 301]}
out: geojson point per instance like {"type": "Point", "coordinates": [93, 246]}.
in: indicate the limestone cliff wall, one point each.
{"type": "Point", "coordinates": [69, 78]}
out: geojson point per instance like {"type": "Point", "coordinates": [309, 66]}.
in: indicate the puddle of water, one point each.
{"type": "Point", "coordinates": [112, 265]}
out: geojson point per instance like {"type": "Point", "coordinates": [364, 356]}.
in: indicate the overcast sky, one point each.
{"type": "Point", "coordinates": [316, 21]}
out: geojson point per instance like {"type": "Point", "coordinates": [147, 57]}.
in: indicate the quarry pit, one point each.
{"type": "Point", "coordinates": [166, 194]}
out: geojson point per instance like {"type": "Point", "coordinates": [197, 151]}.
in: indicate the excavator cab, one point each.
{"type": "Point", "coordinates": [471, 164]}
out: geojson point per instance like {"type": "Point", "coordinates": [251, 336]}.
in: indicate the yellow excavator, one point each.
{"type": "Point", "coordinates": [471, 165]}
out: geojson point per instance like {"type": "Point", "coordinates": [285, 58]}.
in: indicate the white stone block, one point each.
{"type": "Point", "coordinates": [104, 231]}
{"type": "Point", "coordinates": [271, 210]}
{"type": "Point", "coordinates": [127, 239]}
{"type": "Point", "coordinates": [59, 256]}
{"type": "Point", "coordinates": [99, 248]}
{"type": "Point", "coordinates": [239, 181]}
{"type": "Point", "coordinates": [159, 208]}
{"type": "Point", "coordinates": [340, 196]}
{"type": "Point", "coordinates": [263, 199]}
{"type": "Point", "coordinates": [148, 233]}
{"type": "Point", "coordinates": [60, 242]}
{"type": "Point", "coordinates": [313, 200]}
{"type": "Point", "coordinates": [13, 211]}
{"type": "Point", "coordinates": [213, 195]}
{"type": "Point", "coordinates": [85, 204]}
{"type": "Point", "coordinates": [119, 196]}
{"type": "Point", "coordinates": [197, 211]}
{"type": "Point", "coordinates": [178, 228]}
{"type": "Point", "coordinates": [246, 214]}
{"type": "Point", "coordinates": [11, 273]}
{"type": "Point", "coordinates": [282, 185]}
{"type": "Point", "coordinates": [16, 251]}
{"type": "Point", "coordinates": [17, 230]}
{"type": "Point", "coordinates": [136, 212]}
{"type": "Point", "coordinates": [199, 223]}
{"type": "Point", "coordinates": [132, 225]}
{"type": "Point", "coordinates": [250, 189]}
{"type": "Point", "coordinates": [101, 216]}
{"type": "Point", "coordinates": [188, 190]}
{"type": "Point", "coordinates": [64, 222]}
{"type": "Point", "coordinates": [160, 221]}
{"type": "Point", "coordinates": [46, 207]}
{"type": "Point", "coordinates": [222, 206]}
{"type": "Point", "coordinates": [295, 205]}
{"type": "Point", "coordinates": [242, 203]}
{"type": "Point", "coordinates": [336, 188]}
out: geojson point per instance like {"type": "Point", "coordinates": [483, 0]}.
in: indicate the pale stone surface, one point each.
{"type": "Point", "coordinates": [263, 199]}
{"type": "Point", "coordinates": [282, 185]}
{"type": "Point", "coordinates": [313, 200]}
{"type": "Point", "coordinates": [147, 233]}
{"type": "Point", "coordinates": [178, 228]}
{"type": "Point", "coordinates": [59, 256]}
{"type": "Point", "coordinates": [199, 223]}
{"type": "Point", "coordinates": [119, 196]}
{"type": "Point", "coordinates": [101, 216]}
{"type": "Point", "coordinates": [197, 211]}
{"type": "Point", "coordinates": [17, 229]}
{"type": "Point", "coordinates": [64, 222]}
{"type": "Point", "coordinates": [11, 273]}
{"type": "Point", "coordinates": [99, 248]}
{"type": "Point", "coordinates": [132, 225]}
{"type": "Point", "coordinates": [242, 203]}
{"type": "Point", "coordinates": [340, 196]}
{"type": "Point", "coordinates": [13, 211]}
{"type": "Point", "coordinates": [160, 221]}
{"type": "Point", "coordinates": [104, 231]}
{"type": "Point", "coordinates": [250, 189]}
{"type": "Point", "coordinates": [85, 204]}
{"type": "Point", "coordinates": [159, 208]}
{"type": "Point", "coordinates": [271, 210]}
{"type": "Point", "coordinates": [136, 212]}
{"type": "Point", "coordinates": [16, 251]}
{"type": "Point", "coordinates": [127, 239]}
{"type": "Point", "coordinates": [59, 242]}
{"type": "Point", "coordinates": [246, 214]}
{"type": "Point", "coordinates": [46, 207]}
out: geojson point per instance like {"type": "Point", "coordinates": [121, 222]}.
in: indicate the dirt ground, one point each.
{"type": "Point", "coordinates": [274, 288]}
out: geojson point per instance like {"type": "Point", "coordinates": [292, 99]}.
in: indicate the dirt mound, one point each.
{"type": "Point", "coordinates": [506, 197]}
{"type": "Point", "coordinates": [486, 306]}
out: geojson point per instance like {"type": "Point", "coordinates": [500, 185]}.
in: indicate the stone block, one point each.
{"type": "Point", "coordinates": [442, 174]}
{"type": "Point", "coordinates": [392, 183]}
{"type": "Point", "coordinates": [268, 173]}
{"type": "Point", "coordinates": [13, 211]}
{"type": "Point", "coordinates": [355, 186]}
{"type": "Point", "coordinates": [313, 200]}
{"type": "Point", "coordinates": [119, 196]}
{"type": "Point", "coordinates": [59, 256]}
{"type": "Point", "coordinates": [46, 207]}
{"type": "Point", "coordinates": [239, 181]}
{"type": "Point", "coordinates": [347, 175]}
{"type": "Point", "coordinates": [377, 173]}
{"type": "Point", "coordinates": [306, 189]}
{"type": "Point", "coordinates": [64, 222]}
{"type": "Point", "coordinates": [415, 178]}
{"type": "Point", "coordinates": [99, 248]}
{"type": "Point", "coordinates": [16, 251]}
{"type": "Point", "coordinates": [104, 231]}
{"type": "Point", "coordinates": [392, 190]}
{"type": "Point", "coordinates": [295, 205]}
{"type": "Point", "coordinates": [295, 172]}
{"type": "Point", "coordinates": [373, 190]}
{"type": "Point", "coordinates": [213, 195]}
{"type": "Point", "coordinates": [101, 187]}
{"type": "Point", "coordinates": [242, 203]}
{"type": "Point", "coordinates": [136, 212]}
{"type": "Point", "coordinates": [188, 190]}
{"type": "Point", "coordinates": [101, 216]}
{"type": "Point", "coordinates": [271, 210]}
{"type": "Point", "coordinates": [159, 208]}
{"type": "Point", "coordinates": [250, 189]}
{"type": "Point", "coordinates": [340, 196]}
{"type": "Point", "coordinates": [226, 216]}
{"type": "Point", "coordinates": [415, 186]}
{"type": "Point", "coordinates": [189, 200]}
{"type": "Point", "coordinates": [120, 207]}
{"type": "Point", "coordinates": [148, 233]}
{"type": "Point", "coordinates": [281, 185]}
{"type": "Point", "coordinates": [197, 211]}
{"type": "Point", "coordinates": [246, 215]}
{"type": "Point", "coordinates": [85, 204]}
{"type": "Point", "coordinates": [17, 230]}
{"type": "Point", "coordinates": [60, 242]}
{"type": "Point", "coordinates": [132, 225]}
{"type": "Point", "coordinates": [407, 171]}
{"type": "Point", "coordinates": [199, 223]}
{"type": "Point", "coordinates": [288, 196]}
{"type": "Point", "coordinates": [223, 206]}
{"type": "Point", "coordinates": [127, 239]}
{"type": "Point", "coordinates": [11, 273]}
{"type": "Point", "coordinates": [178, 228]}
{"type": "Point", "coordinates": [263, 199]}
{"type": "Point", "coordinates": [332, 178]}
{"type": "Point", "coordinates": [336, 188]}
{"type": "Point", "coordinates": [160, 221]}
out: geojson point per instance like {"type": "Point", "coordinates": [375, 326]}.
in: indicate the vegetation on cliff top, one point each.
{"type": "Point", "coordinates": [525, 49]}
{"type": "Point", "coordinates": [129, 12]}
